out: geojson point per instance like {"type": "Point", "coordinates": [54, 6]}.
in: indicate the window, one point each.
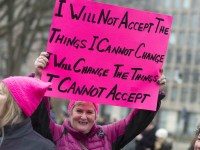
{"type": "Point", "coordinates": [184, 20]}
{"type": "Point", "coordinates": [191, 39]}
{"type": "Point", "coordinates": [179, 56]}
{"type": "Point", "coordinates": [186, 4]}
{"type": "Point", "coordinates": [195, 77]}
{"type": "Point", "coordinates": [186, 75]}
{"type": "Point", "coordinates": [177, 4]}
{"type": "Point", "coordinates": [175, 23]}
{"type": "Point", "coordinates": [188, 57]}
{"type": "Point", "coordinates": [193, 96]}
{"type": "Point", "coordinates": [195, 4]}
{"type": "Point", "coordinates": [197, 57]}
{"type": "Point", "coordinates": [167, 4]}
{"type": "Point", "coordinates": [169, 56]}
{"type": "Point", "coordinates": [184, 94]}
{"type": "Point", "coordinates": [198, 40]}
{"type": "Point", "coordinates": [181, 39]}
{"type": "Point", "coordinates": [167, 72]}
{"type": "Point", "coordinates": [158, 3]}
{"type": "Point", "coordinates": [174, 93]}
{"type": "Point", "coordinates": [194, 22]}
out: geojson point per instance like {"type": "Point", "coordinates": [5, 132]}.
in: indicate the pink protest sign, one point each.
{"type": "Point", "coordinates": [106, 54]}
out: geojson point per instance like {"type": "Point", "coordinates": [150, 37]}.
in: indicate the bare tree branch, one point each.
{"type": "Point", "coordinates": [20, 28]}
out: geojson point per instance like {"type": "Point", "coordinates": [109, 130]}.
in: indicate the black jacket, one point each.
{"type": "Point", "coordinates": [23, 137]}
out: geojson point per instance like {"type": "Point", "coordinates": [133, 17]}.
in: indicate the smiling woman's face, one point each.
{"type": "Point", "coordinates": [83, 117]}
{"type": "Point", "coordinates": [3, 98]}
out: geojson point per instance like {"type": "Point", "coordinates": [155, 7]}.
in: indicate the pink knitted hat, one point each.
{"type": "Point", "coordinates": [27, 92]}
{"type": "Point", "coordinates": [73, 102]}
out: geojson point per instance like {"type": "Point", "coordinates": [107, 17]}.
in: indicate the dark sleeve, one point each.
{"type": "Point", "coordinates": [136, 125]}
{"type": "Point", "coordinates": [148, 139]}
{"type": "Point", "coordinates": [40, 120]}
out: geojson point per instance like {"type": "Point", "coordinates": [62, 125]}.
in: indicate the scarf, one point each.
{"type": "Point", "coordinates": [78, 135]}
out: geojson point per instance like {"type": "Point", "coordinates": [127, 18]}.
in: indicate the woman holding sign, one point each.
{"type": "Point", "coordinates": [79, 131]}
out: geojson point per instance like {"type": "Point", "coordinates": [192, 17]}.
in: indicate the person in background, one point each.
{"type": "Point", "coordinates": [146, 140]}
{"type": "Point", "coordinates": [19, 98]}
{"type": "Point", "coordinates": [80, 132]}
{"type": "Point", "coordinates": [196, 142]}
{"type": "Point", "coordinates": [162, 141]}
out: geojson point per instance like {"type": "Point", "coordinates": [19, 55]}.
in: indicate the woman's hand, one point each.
{"type": "Point", "coordinates": [162, 82]}
{"type": "Point", "coordinates": [40, 63]}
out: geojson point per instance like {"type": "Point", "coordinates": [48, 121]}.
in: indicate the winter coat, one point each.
{"type": "Point", "coordinates": [107, 137]}
{"type": "Point", "coordinates": [22, 137]}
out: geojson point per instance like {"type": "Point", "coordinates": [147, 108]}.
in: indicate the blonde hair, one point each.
{"type": "Point", "coordinates": [11, 113]}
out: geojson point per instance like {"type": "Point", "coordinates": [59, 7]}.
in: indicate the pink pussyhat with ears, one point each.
{"type": "Point", "coordinates": [72, 103]}
{"type": "Point", "coordinates": [27, 92]}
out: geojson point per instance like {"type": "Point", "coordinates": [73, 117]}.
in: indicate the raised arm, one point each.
{"type": "Point", "coordinates": [41, 119]}
{"type": "Point", "coordinates": [125, 130]}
